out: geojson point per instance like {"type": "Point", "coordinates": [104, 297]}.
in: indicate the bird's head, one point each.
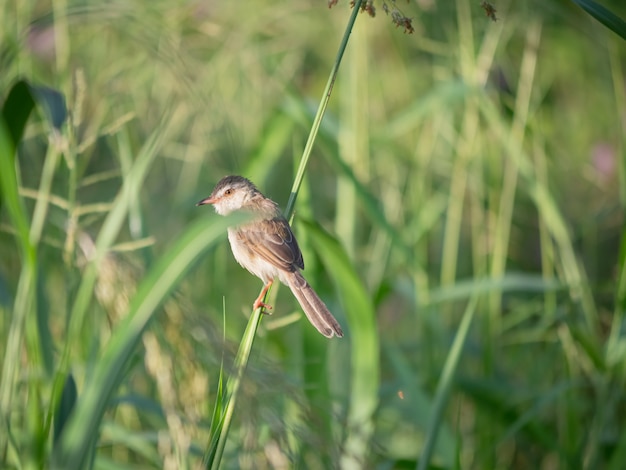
{"type": "Point", "coordinates": [231, 194]}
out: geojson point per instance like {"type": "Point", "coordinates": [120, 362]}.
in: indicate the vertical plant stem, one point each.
{"type": "Point", "coordinates": [243, 354]}
{"type": "Point", "coordinates": [548, 254]}
{"type": "Point", "coordinates": [23, 307]}
{"type": "Point", "coordinates": [464, 145]}
{"type": "Point", "coordinates": [353, 140]}
{"type": "Point", "coordinates": [511, 171]}
{"type": "Point", "coordinates": [616, 337]}
{"type": "Point", "coordinates": [234, 382]}
{"type": "Point", "coordinates": [320, 112]}
{"type": "Point", "coordinates": [446, 382]}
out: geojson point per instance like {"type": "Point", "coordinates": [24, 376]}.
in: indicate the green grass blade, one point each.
{"type": "Point", "coordinates": [320, 111]}
{"type": "Point", "coordinates": [80, 434]}
{"type": "Point", "coordinates": [511, 282]}
{"type": "Point", "coordinates": [419, 407]}
{"type": "Point", "coordinates": [604, 16]}
{"type": "Point", "coordinates": [36, 229]}
{"type": "Point", "coordinates": [247, 341]}
{"type": "Point", "coordinates": [16, 110]}
{"type": "Point", "coordinates": [217, 419]}
{"type": "Point", "coordinates": [22, 305]}
{"type": "Point", "coordinates": [110, 230]}
{"type": "Point", "coordinates": [66, 406]}
{"type": "Point", "coordinates": [277, 136]}
{"type": "Point", "coordinates": [217, 422]}
{"type": "Point", "coordinates": [370, 204]}
{"type": "Point", "coordinates": [495, 398]}
{"type": "Point", "coordinates": [616, 343]}
{"type": "Point", "coordinates": [363, 335]}
{"type": "Point", "coordinates": [618, 457]}
{"type": "Point", "coordinates": [15, 113]}
{"type": "Point", "coordinates": [446, 383]}
{"type": "Point", "coordinates": [234, 382]}
{"type": "Point", "coordinates": [550, 213]}
{"type": "Point", "coordinates": [106, 237]}
{"type": "Point", "coordinates": [449, 94]}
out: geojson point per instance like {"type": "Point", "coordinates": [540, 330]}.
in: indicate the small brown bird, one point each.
{"type": "Point", "coordinates": [267, 247]}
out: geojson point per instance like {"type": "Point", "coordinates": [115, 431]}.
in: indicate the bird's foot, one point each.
{"type": "Point", "coordinates": [258, 303]}
{"type": "Point", "coordinates": [266, 307]}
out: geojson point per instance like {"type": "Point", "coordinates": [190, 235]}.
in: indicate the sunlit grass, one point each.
{"type": "Point", "coordinates": [461, 215]}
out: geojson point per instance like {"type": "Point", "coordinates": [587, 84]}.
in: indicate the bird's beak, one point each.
{"type": "Point", "coordinates": [208, 200]}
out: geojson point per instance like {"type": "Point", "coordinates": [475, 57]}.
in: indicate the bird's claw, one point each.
{"type": "Point", "coordinates": [264, 306]}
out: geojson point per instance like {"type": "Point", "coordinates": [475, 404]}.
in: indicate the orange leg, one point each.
{"type": "Point", "coordinates": [259, 301]}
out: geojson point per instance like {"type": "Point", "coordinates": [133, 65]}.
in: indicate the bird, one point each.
{"type": "Point", "coordinates": [267, 247]}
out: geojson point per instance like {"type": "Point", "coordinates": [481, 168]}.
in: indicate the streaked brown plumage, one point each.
{"type": "Point", "coordinates": [267, 247]}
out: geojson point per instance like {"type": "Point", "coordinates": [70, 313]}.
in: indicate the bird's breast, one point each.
{"type": "Point", "coordinates": [249, 259]}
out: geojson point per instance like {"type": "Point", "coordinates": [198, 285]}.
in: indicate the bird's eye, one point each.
{"type": "Point", "coordinates": [228, 192]}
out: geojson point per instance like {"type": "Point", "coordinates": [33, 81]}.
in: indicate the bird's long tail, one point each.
{"type": "Point", "coordinates": [315, 310]}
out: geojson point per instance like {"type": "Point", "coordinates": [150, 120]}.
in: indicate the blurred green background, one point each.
{"type": "Point", "coordinates": [471, 173]}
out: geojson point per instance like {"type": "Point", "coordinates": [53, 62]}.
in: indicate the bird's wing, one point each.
{"type": "Point", "coordinates": [273, 240]}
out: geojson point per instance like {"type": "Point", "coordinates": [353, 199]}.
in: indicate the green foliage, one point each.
{"type": "Point", "coordinates": [364, 367]}
{"type": "Point", "coordinates": [604, 16]}
{"type": "Point", "coordinates": [461, 214]}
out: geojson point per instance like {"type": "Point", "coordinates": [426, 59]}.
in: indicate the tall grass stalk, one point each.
{"type": "Point", "coordinates": [446, 383]}
{"type": "Point", "coordinates": [107, 236]}
{"type": "Point", "coordinates": [503, 222]}
{"type": "Point", "coordinates": [245, 346]}
{"type": "Point", "coordinates": [78, 440]}
{"type": "Point", "coordinates": [16, 110]}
